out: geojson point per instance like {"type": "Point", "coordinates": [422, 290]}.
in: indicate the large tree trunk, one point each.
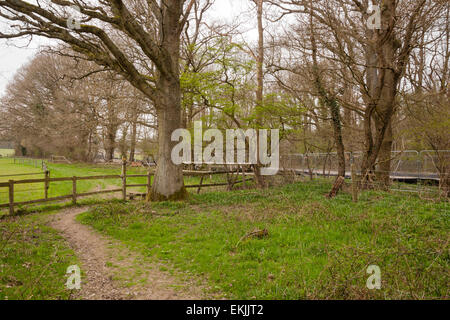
{"type": "Point", "coordinates": [382, 82]}
{"type": "Point", "coordinates": [168, 181]}
{"type": "Point", "coordinates": [369, 156]}
{"type": "Point", "coordinates": [111, 126]}
{"type": "Point", "coordinates": [367, 164]}
{"type": "Point", "coordinates": [110, 144]}
{"type": "Point", "coordinates": [379, 149]}
{"type": "Point", "coordinates": [384, 158]}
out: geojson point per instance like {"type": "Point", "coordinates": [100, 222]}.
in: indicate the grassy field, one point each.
{"type": "Point", "coordinates": [316, 247]}
{"type": "Point", "coordinates": [33, 260]}
{"type": "Point", "coordinates": [6, 152]}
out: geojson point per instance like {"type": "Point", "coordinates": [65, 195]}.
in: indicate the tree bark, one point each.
{"type": "Point", "coordinates": [133, 137]}
{"type": "Point", "coordinates": [168, 182]}
{"type": "Point", "coordinates": [331, 103]}
{"type": "Point", "coordinates": [110, 142]}
{"type": "Point", "coordinates": [384, 159]}
{"type": "Point", "coordinates": [383, 76]}
{"type": "Point", "coordinates": [336, 187]}
{"type": "Point", "coordinates": [337, 132]}
{"type": "Point", "coordinates": [261, 181]}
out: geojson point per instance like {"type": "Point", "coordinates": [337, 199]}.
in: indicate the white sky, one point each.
{"type": "Point", "coordinates": [15, 53]}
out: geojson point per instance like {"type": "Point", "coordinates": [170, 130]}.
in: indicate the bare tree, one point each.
{"type": "Point", "coordinates": [47, 111]}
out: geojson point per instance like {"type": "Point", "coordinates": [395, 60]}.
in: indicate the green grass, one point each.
{"type": "Point", "coordinates": [316, 248]}
{"type": "Point", "coordinates": [33, 260]}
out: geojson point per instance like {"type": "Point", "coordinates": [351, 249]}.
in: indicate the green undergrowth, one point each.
{"type": "Point", "coordinates": [316, 248]}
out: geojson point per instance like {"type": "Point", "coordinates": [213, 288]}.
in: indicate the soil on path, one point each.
{"type": "Point", "coordinates": [111, 272]}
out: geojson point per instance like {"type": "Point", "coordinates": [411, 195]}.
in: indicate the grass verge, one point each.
{"type": "Point", "coordinates": [33, 260]}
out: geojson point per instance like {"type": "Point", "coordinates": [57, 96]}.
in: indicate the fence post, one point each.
{"type": "Point", "coordinates": [124, 178]}
{"type": "Point", "coordinates": [46, 183]}
{"type": "Point", "coordinates": [74, 190]}
{"type": "Point", "coordinates": [419, 171]}
{"type": "Point", "coordinates": [354, 184]}
{"type": "Point", "coordinates": [11, 197]}
{"type": "Point", "coordinates": [200, 185]}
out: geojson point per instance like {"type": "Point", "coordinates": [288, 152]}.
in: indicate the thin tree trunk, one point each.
{"type": "Point", "coordinates": [260, 180]}
{"type": "Point", "coordinates": [337, 131]}
{"type": "Point", "coordinates": [133, 137]}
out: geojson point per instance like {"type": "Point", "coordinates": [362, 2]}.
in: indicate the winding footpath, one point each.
{"type": "Point", "coordinates": [112, 272]}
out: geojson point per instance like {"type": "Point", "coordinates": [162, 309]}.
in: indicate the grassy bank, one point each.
{"type": "Point", "coordinates": [33, 260]}
{"type": "Point", "coordinates": [316, 247]}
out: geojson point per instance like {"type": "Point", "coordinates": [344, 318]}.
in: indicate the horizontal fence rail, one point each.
{"type": "Point", "coordinates": [21, 174]}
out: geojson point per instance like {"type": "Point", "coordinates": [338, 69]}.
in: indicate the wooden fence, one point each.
{"type": "Point", "coordinates": [232, 179]}
{"type": "Point", "coordinates": [59, 159]}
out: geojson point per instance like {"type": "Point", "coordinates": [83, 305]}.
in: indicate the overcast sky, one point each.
{"type": "Point", "coordinates": [15, 53]}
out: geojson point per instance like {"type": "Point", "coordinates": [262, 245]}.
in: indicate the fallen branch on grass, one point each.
{"type": "Point", "coordinates": [254, 234]}
{"type": "Point", "coordinates": [336, 187]}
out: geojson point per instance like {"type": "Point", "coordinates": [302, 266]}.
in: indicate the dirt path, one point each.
{"type": "Point", "coordinates": [111, 272]}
